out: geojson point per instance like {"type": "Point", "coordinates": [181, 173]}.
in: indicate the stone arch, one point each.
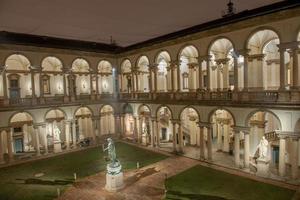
{"type": "Point", "coordinates": [107, 104]}
{"type": "Point", "coordinates": [262, 110]}
{"type": "Point", "coordinates": [163, 105]}
{"type": "Point", "coordinates": [193, 50]}
{"type": "Point", "coordinates": [84, 107]}
{"type": "Point", "coordinates": [26, 113]}
{"type": "Point", "coordinates": [144, 105]}
{"type": "Point", "coordinates": [156, 57]}
{"type": "Point", "coordinates": [142, 66]}
{"type": "Point", "coordinates": [84, 65]}
{"type": "Point", "coordinates": [189, 106]}
{"type": "Point", "coordinates": [104, 66]}
{"type": "Point", "coordinates": [219, 38]}
{"type": "Point", "coordinates": [58, 109]}
{"type": "Point", "coordinates": [54, 62]}
{"type": "Point", "coordinates": [210, 115]}
{"type": "Point", "coordinates": [18, 59]}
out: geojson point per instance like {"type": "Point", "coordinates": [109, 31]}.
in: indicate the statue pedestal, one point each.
{"type": "Point", "coordinates": [57, 147]}
{"type": "Point", "coordinates": [262, 167]}
{"type": "Point", "coordinates": [114, 182]}
{"type": "Point", "coordinates": [114, 177]}
{"type": "Point", "coordinates": [144, 139]}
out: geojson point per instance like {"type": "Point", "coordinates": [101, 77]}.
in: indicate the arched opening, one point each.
{"type": "Point", "coordinates": [107, 120]}
{"type": "Point", "coordinates": [56, 135]}
{"type": "Point", "coordinates": [145, 126]}
{"type": "Point", "coordinates": [188, 68]}
{"type": "Point", "coordinates": [130, 125]}
{"type": "Point", "coordinates": [80, 80]}
{"type": "Point", "coordinates": [106, 77]}
{"type": "Point", "coordinates": [126, 77]}
{"type": "Point", "coordinates": [51, 78]}
{"type": "Point", "coordinates": [264, 124]}
{"type": "Point", "coordinates": [143, 74]}
{"type": "Point", "coordinates": [222, 65]}
{"type": "Point", "coordinates": [190, 131]}
{"type": "Point", "coordinates": [19, 79]}
{"type": "Point", "coordinates": [86, 131]}
{"type": "Point", "coordinates": [22, 137]}
{"type": "Point", "coordinates": [164, 133]}
{"type": "Point", "coordinates": [162, 61]}
{"type": "Point", "coordinates": [264, 61]}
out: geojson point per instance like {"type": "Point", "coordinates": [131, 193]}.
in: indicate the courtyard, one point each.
{"type": "Point", "coordinates": [42, 178]}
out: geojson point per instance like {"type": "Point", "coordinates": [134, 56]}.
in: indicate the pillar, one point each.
{"type": "Point", "coordinates": [236, 74]}
{"type": "Point", "coordinates": [200, 76]}
{"type": "Point", "coordinates": [178, 78]}
{"type": "Point", "coordinates": [282, 146]}
{"type": "Point", "coordinates": [294, 159]}
{"type": "Point", "coordinates": [208, 72]}
{"type": "Point", "coordinates": [237, 148]}
{"type": "Point", "coordinates": [152, 133]}
{"type": "Point", "coordinates": [174, 136]}
{"type": "Point", "coordinates": [246, 72]}
{"type": "Point", "coordinates": [1, 149]}
{"type": "Point", "coordinates": [209, 143]}
{"type": "Point", "coordinates": [67, 134]}
{"type": "Point", "coordinates": [41, 86]}
{"type": "Point", "coordinates": [246, 149]}
{"type": "Point", "coordinates": [202, 156]}
{"type": "Point", "coordinates": [282, 70]}
{"type": "Point", "coordinates": [157, 134]}
{"type": "Point", "coordinates": [180, 137]}
{"type": "Point", "coordinates": [4, 85]}
{"type": "Point", "coordinates": [135, 129]}
{"type": "Point", "coordinates": [172, 77]}
{"type": "Point", "coordinates": [155, 79]}
{"type": "Point", "coordinates": [74, 133]}
{"type": "Point", "coordinates": [32, 84]}
{"type": "Point", "coordinates": [295, 69]}
{"type": "Point", "coordinates": [45, 138]}
{"type": "Point", "coordinates": [9, 143]}
{"type": "Point", "coordinates": [37, 140]}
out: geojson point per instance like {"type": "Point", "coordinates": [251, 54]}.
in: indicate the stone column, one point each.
{"type": "Point", "coordinates": [67, 133]}
{"type": "Point", "coordinates": [219, 140]}
{"type": "Point", "coordinates": [282, 70]}
{"type": "Point", "coordinates": [208, 72]}
{"type": "Point", "coordinates": [294, 159]}
{"type": "Point", "coordinates": [172, 66]}
{"type": "Point", "coordinates": [246, 149]}
{"type": "Point", "coordinates": [4, 82]}
{"type": "Point", "coordinates": [140, 130]}
{"type": "Point", "coordinates": [37, 140]}
{"type": "Point", "coordinates": [96, 126]}
{"type": "Point", "coordinates": [282, 146]}
{"type": "Point", "coordinates": [135, 129]}
{"type": "Point", "coordinates": [237, 148]}
{"type": "Point", "coordinates": [1, 149]}
{"type": "Point", "coordinates": [178, 78]}
{"type": "Point", "coordinates": [209, 143]}
{"type": "Point", "coordinates": [45, 138]}
{"type": "Point", "coordinates": [65, 88]}
{"type": "Point", "coordinates": [152, 132]}
{"type": "Point", "coordinates": [150, 80]}
{"type": "Point", "coordinates": [180, 146]}
{"type": "Point", "coordinates": [41, 86]}
{"type": "Point", "coordinates": [157, 134]}
{"type": "Point", "coordinates": [9, 143]}
{"type": "Point", "coordinates": [32, 84]}
{"type": "Point", "coordinates": [74, 133]}
{"type": "Point", "coordinates": [117, 125]}
{"type": "Point", "coordinates": [295, 69]}
{"type": "Point", "coordinates": [155, 78]}
{"type": "Point", "coordinates": [236, 74]}
{"type": "Point", "coordinates": [174, 137]}
{"type": "Point", "coordinates": [202, 156]}
{"type": "Point", "coordinates": [200, 76]}
{"type": "Point", "coordinates": [97, 85]}
{"type": "Point", "coordinates": [245, 72]}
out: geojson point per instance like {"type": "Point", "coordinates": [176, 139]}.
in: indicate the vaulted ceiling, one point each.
{"type": "Point", "coordinates": [128, 22]}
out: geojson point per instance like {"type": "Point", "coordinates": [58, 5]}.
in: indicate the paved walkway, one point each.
{"type": "Point", "coordinates": [146, 183]}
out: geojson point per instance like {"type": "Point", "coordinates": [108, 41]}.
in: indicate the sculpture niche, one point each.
{"type": "Point", "coordinates": [114, 175]}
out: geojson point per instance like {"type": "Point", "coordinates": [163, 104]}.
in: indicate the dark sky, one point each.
{"type": "Point", "coordinates": [128, 21]}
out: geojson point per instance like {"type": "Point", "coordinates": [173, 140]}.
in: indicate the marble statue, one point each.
{"type": "Point", "coordinates": [56, 134]}
{"type": "Point", "coordinates": [263, 148]}
{"type": "Point", "coordinates": [111, 151]}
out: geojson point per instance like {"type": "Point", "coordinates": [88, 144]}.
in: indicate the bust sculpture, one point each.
{"type": "Point", "coordinates": [263, 148]}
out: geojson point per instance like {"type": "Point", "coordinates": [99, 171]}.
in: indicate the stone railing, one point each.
{"type": "Point", "coordinates": [20, 101]}
{"type": "Point", "coordinates": [271, 136]}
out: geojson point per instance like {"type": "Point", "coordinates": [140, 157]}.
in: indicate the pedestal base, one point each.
{"type": "Point", "coordinates": [262, 168]}
{"type": "Point", "coordinates": [114, 182]}
{"type": "Point", "coordinates": [57, 147]}
{"type": "Point", "coordinates": [144, 140]}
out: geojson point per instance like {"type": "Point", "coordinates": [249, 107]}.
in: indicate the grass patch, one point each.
{"type": "Point", "coordinates": [208, 184]}
{"type": "Point", "coordinates": [18, 182]}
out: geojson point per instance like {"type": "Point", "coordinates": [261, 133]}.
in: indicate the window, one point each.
{"type": "Point", "coordinates": [46, 84]}
{"type": "Point", "coordinates": [185, 78]}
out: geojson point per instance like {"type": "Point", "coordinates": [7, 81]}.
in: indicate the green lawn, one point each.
{"type": "Point", "coordinates": [19, 182]}
{"type": "Point", "coordinates": [208, 184]}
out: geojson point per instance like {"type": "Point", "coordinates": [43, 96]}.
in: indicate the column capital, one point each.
{"type": "Point", "coordinates": [204, 58]}
{"type": "Point", "coordinates": [204, 124]}
{"type": "Point", "coordinates": [243, 52]}
{"type": "Point", "coordinates": [174, 63]}
{"type": "Point", "coordinates": [175, 121]}
{"type": "Point", "coordinates": [288, 45]}
{"type": "Point", "coordinates": [244, 129]}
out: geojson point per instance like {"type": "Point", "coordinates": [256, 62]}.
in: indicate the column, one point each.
{"type": "Point", "coordinates": [45, 138]}
{"type": "Point", "coordinates": [41, 86]}
{"type": "Point", "coordinates": [295, 69]}
{"type": "Point", "coordinates": [236, 74]}
{"type": "Point", "coordinates": [135, 129]}
{"type": "Point", "coordinates": [237, 148]}
{"type": "Point", "coordinates": [137, 81]}
{"type": "Point", "coordinates": [140, 130]}
{"type": "Point", "coordinates": [282, 70]}
{"type": "Point", "coordinates": [245, 72]}
{"type": "Point", "coordinates": [37, 140]}
{"type": "Point", "coordinates": [117, 125]}
{"type": "Point", "coordinates": [97, 84]}
{"type": "Point", "coordinates": [294, 159]}
{"type": "Point", "coordinates": [246, 149]}
{"type": "Point", "coordinates": [152, 132]}
{"type": "Point", "coordinates": [74, 133]}
{"type": "Point", "coordinates": [1, 149]}
{"type": "Point", "coordinates": [94, 127]}
{"type": "Point", "coordinates": [155, 79]}
{"type": "Point", "coordinates": [150, 80]}
{"type": "Point", "coordinates": [157, 134]}
{"type": "Point", "coordinates": [172, 77]}
{"type": "Point", "coordinates": [32, 84]}
{"type": "Point", "coordinates": [9, 143]}
{"type": "Point", "coordinates": [281, 167]}
{"type": "Point", "coordinates": [178, 78]}
{"type": "Point", "coordinates": [208, 72]}
{"type": "Point", "coordinates": [4, 84]}
{"type": "Point", "coordinates": [174, 136]}
{"type": "Point", "coordinates": [202, 156]}
{"type": "Point", "coordinates": [91, 84]}
{"type": "Point", "coordinates": [180, 149]}
{"type": "Point", "coordinates": [68, 133]}
{"type": "Point", "coordinates": [64, 85]}
{"type": "Point", "coordinates": [200, 76]}
{"type": "Point", "coordinates": [209, 143]}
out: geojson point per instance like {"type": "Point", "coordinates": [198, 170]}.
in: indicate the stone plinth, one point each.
{"type": "Point", "coordinates": [262, 167]}
{"type": "Point", "coordinates": [144, 139]}
{"type": "Point", "coordinates": [114, 182]}
{"type": "Point", "coordinates": [57, 147]}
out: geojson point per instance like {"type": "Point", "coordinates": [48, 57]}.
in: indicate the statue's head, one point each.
{"type": "Point", "coordinates": [263, 137]}
{"type": "Point", "coordinates": [109, 140]}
